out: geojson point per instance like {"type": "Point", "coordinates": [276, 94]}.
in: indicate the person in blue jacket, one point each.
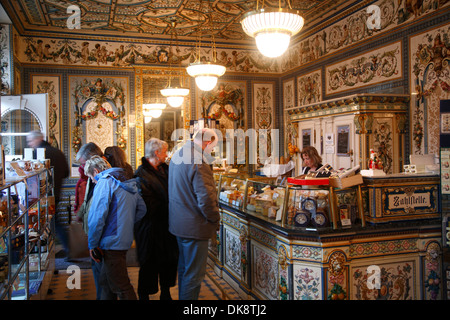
{"type": "Point", "coordinates": [116, 206]}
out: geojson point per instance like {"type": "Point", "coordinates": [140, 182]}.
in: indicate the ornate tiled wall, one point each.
{"type": "Point", "coordinates": [348, 56]}
{"type": "Point", "coordinates": [341, 58]}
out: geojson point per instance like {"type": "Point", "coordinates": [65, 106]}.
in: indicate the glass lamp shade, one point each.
{"type": "Point", "coordinates": [148, 119]}
{"type": "Point", "coordinates": [272, 45]}
{"type": "Point", "coordinates": [175, 96]}
{"type": "Point", "coordinates": [153, 110]}
{"type": "Point", "coordinates": [205, 74]}
{"type": "Point", "coordinates": [156, 113]}
{"type": "Point", "coordinates": [175, 102]}
{"type": "Point", "coordinates": [206, 83]}
{"type": "Point", "coordinates": [272, 28]}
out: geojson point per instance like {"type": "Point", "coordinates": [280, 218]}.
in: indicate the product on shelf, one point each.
{"type": "Point", "coordinates": [268, 202]}
{"type": "Point", "coordinates": [308, 208]}
{"type": "Point", "coordinates": [3, 268]}
{"type": "Point", "coordinates": [375, 166]}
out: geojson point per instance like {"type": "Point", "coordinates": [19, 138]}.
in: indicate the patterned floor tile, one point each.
{"type": "Point", "coordinates": [213, 287]}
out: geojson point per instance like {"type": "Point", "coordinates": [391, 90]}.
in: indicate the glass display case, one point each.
{"type": "Point", "coordinates": [292, 206]}
{"type": "Point", "coordinates": [25, 235]}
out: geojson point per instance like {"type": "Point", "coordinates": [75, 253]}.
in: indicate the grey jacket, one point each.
{"type": "Point", "coordinates": [193, 204]}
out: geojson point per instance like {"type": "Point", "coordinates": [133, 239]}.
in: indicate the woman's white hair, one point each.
{"type": "Point", "coordinates": [95, 162]}
{"type": "Point", "coordinates": [153, 145]}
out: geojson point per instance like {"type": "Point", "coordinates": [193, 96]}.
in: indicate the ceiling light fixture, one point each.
{"type": "Point", "coordinates": [272, 28]}
{"type": "Point", "coordinates": [147, 119]}
{"type": "Point", "coordinates": [206, 73]}
{"type": "Point", "coordinates": [175, 95]}
{"type": "Point", "coordinates": [153, 109]}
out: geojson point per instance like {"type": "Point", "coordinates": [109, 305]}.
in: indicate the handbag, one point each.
{"type": "Point", "coordinates": [78, 241]}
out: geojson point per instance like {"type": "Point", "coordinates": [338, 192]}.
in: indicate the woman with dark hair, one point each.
{"type": "Point", "coordinates": [311, 159]}
{"type": "Point", "coordinates": [117, 158]}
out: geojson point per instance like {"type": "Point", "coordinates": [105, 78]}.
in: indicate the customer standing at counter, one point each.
{"type": "Point", "coordinates": [116, 206]}
{"type": "Point", "coordinates": [117, 158]}
{"type": "Point", "coordinates": [311, 159]}
{"type": "Point", "coordinates": [193, 210]}
{"type": "Point", "coordinates": [157, 248]}
{"type": "Point", "coordinates": [86, 152]}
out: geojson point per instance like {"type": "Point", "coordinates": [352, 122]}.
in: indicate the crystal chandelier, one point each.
{"type": "Point", "coordinates": [206, 73]}
{"type": "Point", "coordinates": [272, 28]}
{"type": "Point", "coordinates": [175, 95]}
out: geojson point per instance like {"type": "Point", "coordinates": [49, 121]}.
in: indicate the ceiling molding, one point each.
{"type": "Point", "coordinates": [149, 20]}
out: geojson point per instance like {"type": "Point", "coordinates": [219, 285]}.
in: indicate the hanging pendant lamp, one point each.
{"type": "Point", "coordinates": [153, 110]}
{"type": "Point", "coordinates": [206, 73]}
{"type": "Point", "coordinates": [272, 28]}
{"type": "Point", "coordinates": [175, 95]}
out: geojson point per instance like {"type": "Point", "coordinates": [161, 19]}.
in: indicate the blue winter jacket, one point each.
{"type": "Point", "coordinates": [116, 205]}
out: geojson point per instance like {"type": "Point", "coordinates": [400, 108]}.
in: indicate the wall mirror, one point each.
{"type": "Point", "coordinates": [21, 114]}
{"type": "Point", "coordinates": [149, 82]}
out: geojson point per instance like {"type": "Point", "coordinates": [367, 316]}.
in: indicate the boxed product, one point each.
{"type": "Point", "coordinates": [346, 182]}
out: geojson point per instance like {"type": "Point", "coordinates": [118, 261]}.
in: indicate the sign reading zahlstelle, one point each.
{"type": "Point", "coordinates": [415, 200]}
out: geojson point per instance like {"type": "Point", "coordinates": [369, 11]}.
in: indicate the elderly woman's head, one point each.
{"type": "Point", "coordinates": [311, 157]}
{"type": "Point", "coordinates": [156, 150]}
{"type": "Point", "coordinates": [94, 166]}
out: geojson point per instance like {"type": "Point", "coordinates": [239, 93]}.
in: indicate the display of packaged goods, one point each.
{"type": "Point", "coordinates": [25, 235]}
{"type": "Point", "coordinates": [305, 203]}
{"type": "Point", "coordinates": [4, 266]}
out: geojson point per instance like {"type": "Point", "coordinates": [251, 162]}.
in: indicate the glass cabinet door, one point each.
{"type": "Point", "coordinates": [21, 114]}
{"type": "Point", "coordinates": [15, 126]}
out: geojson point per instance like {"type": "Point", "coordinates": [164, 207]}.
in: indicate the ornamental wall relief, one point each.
{"type": "Point", "coordinates": [429, 83]}
{"type": "Point", "coordinates": [51, 86]}
{"type": "Point", "coordinates": [99, 111]}
{"type": "Point", "coordinates": [383, 64]}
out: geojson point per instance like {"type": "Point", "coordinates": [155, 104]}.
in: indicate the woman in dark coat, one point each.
{"type": "Point", "coordinates": [157, 249]}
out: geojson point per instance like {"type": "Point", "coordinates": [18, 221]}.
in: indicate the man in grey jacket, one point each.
{"type": "Point", "coordinates": [193, 210]}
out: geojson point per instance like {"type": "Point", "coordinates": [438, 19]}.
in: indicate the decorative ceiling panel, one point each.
{"type": "Point", "coordinates": [153, 18]}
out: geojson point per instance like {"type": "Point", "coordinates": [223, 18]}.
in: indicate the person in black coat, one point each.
{"type": "Point", "coordinates": [35, 139]}
{"type": "Point", "coordinates": [157, 248]}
